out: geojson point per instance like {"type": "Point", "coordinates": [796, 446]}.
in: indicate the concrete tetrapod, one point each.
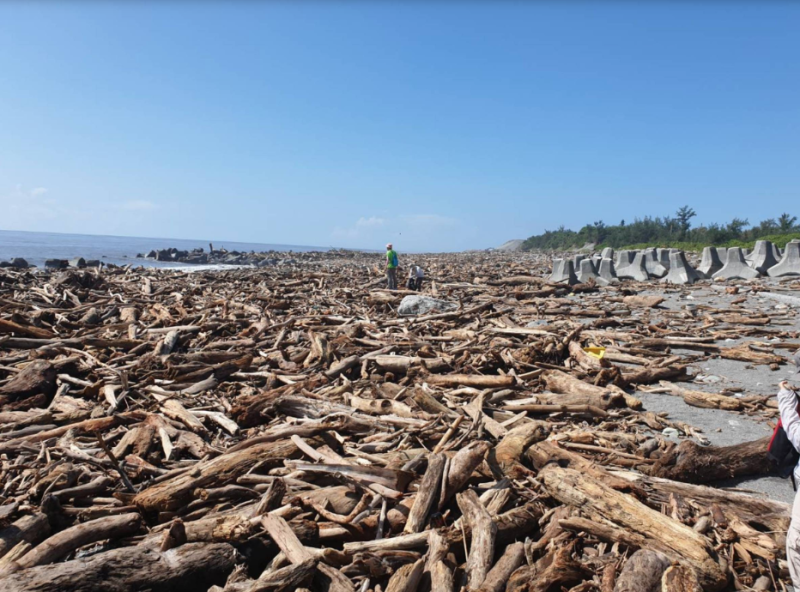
{"type": "Point", "coordinates": [586, 271]}
{"type": "Point", "coordinates": [652, 264]}
{"type": "Point", "coordinates": [663, 256]}
{"type": "Point", "coordinates": [710, 262]}
{"type": "Point", "coordinates": [789, 263]}
{"type": "Point", "coordinates": [735, 267]}
{"type": "Point", "coordinates": [636, 270]}
{"type": "Point", "coordinates": [624, 259]}
{"type": "Point", "coordinates": [763, 257]}
{"type": "Point", "coordinates": [680, 272]}
{"type": "Point", "coordinates": [607, 253]}
{"type": "Point", "coordinates": [563, 272]}
{"type": "Point", "coordinates": [722, 253]}
{"type": "Point", "coordinates": [607, 272]}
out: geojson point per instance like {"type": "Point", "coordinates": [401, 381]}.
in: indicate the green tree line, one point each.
{"type": "Point", "coordinates": [665, 231]}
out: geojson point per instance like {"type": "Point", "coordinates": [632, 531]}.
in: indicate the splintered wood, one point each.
{"type": "Point", "coordinates": [282, 429]}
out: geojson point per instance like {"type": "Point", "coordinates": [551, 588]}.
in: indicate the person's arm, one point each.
{"type": "Point", "coordinates": [787, 404]}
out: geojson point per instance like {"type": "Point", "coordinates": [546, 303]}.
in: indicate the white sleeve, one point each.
{"type": "Point", "coordinates": [787, 404]}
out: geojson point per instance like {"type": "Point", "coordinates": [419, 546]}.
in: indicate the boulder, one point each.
{"type": "Point", "coordinates": [56, 264]}
{"type": "Point", "coordinates": [19, 263]}
{"type": "Point", "coordinates": [79, 262]}
{"type": "Point", "coordinates": [421, 305]}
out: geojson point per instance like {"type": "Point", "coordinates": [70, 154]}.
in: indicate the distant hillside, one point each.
{"type": "Point", "coordinates": [512, 245]}
{"type": "Point", "coordinates": [665, 232]}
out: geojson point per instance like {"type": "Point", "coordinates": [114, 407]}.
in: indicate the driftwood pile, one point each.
{"type": "Point", "coordinates": [283, 428]}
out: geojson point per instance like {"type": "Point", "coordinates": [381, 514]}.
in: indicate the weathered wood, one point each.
{"type": "Point", "coordinates": [477, 381]}
{"type": "Point", "coordinates": [174, 492]}
{"type": "Point", "coordinates": [61, 544]}
{"type": "Point", "coordinates": [484, 531]}
{"type": "Point", "coordinates": [30, 529]}
{"type": "Point", "coordinates": [407, 578]}
{"type": "Point", "coordinates": [704, 464]}
{"type": "Point", "coordinates": [187, 568]}
{"type": "Point", "coordinates": [38, 377]}
{"type": "Point", "coordinates": [497, 577]}
{"type": "Point", "coordinates": [661, 533]}
{"type": "Point", "coordinates": [427, 494]}
{"type": "Point", "coordinates": [286, 579]}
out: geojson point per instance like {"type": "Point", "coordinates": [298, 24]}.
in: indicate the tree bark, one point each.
{"type": "Point", "coordinates": [484, 531]}
{"type": "Point", "coordinates": [38, 377]}
{"type": "Point", "coordinates": [498, 576]}
{"type": "Point", "coordinates": [66, 541]}
{"type": "Point", "coordinates": [31, 529]}
{"type": "Point", "coordinates": [693, 463]}
{"type": "Point", "coordinates": [286, 579]}
{"type": "Point", "coordinates": [474, 380]}
{"type": "Point", "coordinates": [173, 493]}
{"type": "Point", "coordinates": [427, 493]}
{"type": "Point", "coordinates": [187, 568]}
{"type": "Point", "coordinates": [661, 533]}
{"type": "Point", "coordinates": [505, 457]}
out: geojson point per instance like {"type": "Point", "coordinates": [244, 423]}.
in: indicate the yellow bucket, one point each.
{"type": "Point", "coordinates": [595, 352]}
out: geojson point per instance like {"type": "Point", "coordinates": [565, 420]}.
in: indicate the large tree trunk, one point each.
{"type": "Point", "coordinates": [173, 493]}
{"type": "Point", "coordinates": [660, 533]}
{"type": "Point", "coordinates": [191, 567]}
{"type": "Point", "coordinates": [697, 464]}
{"type": "Point", "coordinates": [38, 377]}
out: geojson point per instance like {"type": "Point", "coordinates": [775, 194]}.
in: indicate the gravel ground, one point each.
{"type": "Point", "coordinates": [713, 374]}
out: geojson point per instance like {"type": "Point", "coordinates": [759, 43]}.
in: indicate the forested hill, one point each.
{"type": "Point", "coordinates": [669, 231]}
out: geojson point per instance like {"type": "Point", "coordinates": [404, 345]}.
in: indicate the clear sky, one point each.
{"type": "Point", "coordinates": [438, 126]}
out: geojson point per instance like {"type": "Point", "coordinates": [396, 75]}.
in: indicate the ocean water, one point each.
{"type": "Point", "coordinates": [36, 247]}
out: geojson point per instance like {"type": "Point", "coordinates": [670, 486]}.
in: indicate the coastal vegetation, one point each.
{"type": "Point", "coordinates": [668, 231]}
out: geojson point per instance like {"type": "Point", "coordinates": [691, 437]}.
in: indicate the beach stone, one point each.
{"type": "Point", "coordinates": [19, 263]}
{"type": "Point", "coordinates": [94, 263]}
{"type": "Point", "coordinates": [420, 305]}
{"type": "Point", "coordinates": [79, 262]}
{"type": "Point", "coordinates": [56, 264]}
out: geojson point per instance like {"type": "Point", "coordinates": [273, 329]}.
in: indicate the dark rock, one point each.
{"type": "Point", "coordinates": [56, 264]}
{"type": "Point", "coordinates": [152, 254]}
{"type": "Point", "coordinates": [79, 262]}
{"type": "Point", "coordinates": [5, 264]}
{"type": "Point", "coordinates": [94, 263]}
{"type": "Point", "coordinates": [19, 263]}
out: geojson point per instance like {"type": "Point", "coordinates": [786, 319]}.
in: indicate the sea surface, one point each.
{"type": "Point", "coordinates": [36, 247]}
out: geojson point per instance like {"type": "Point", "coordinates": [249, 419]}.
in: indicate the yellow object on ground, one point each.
{"type": "Point", "coordinates": [595, 352]}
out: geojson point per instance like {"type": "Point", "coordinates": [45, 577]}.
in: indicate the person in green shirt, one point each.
{"type": "Point", "coordinates": [391, 267]}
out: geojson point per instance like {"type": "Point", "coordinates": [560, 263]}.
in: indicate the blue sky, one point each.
{"type": "Point", "coordinates": [438, 126]}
